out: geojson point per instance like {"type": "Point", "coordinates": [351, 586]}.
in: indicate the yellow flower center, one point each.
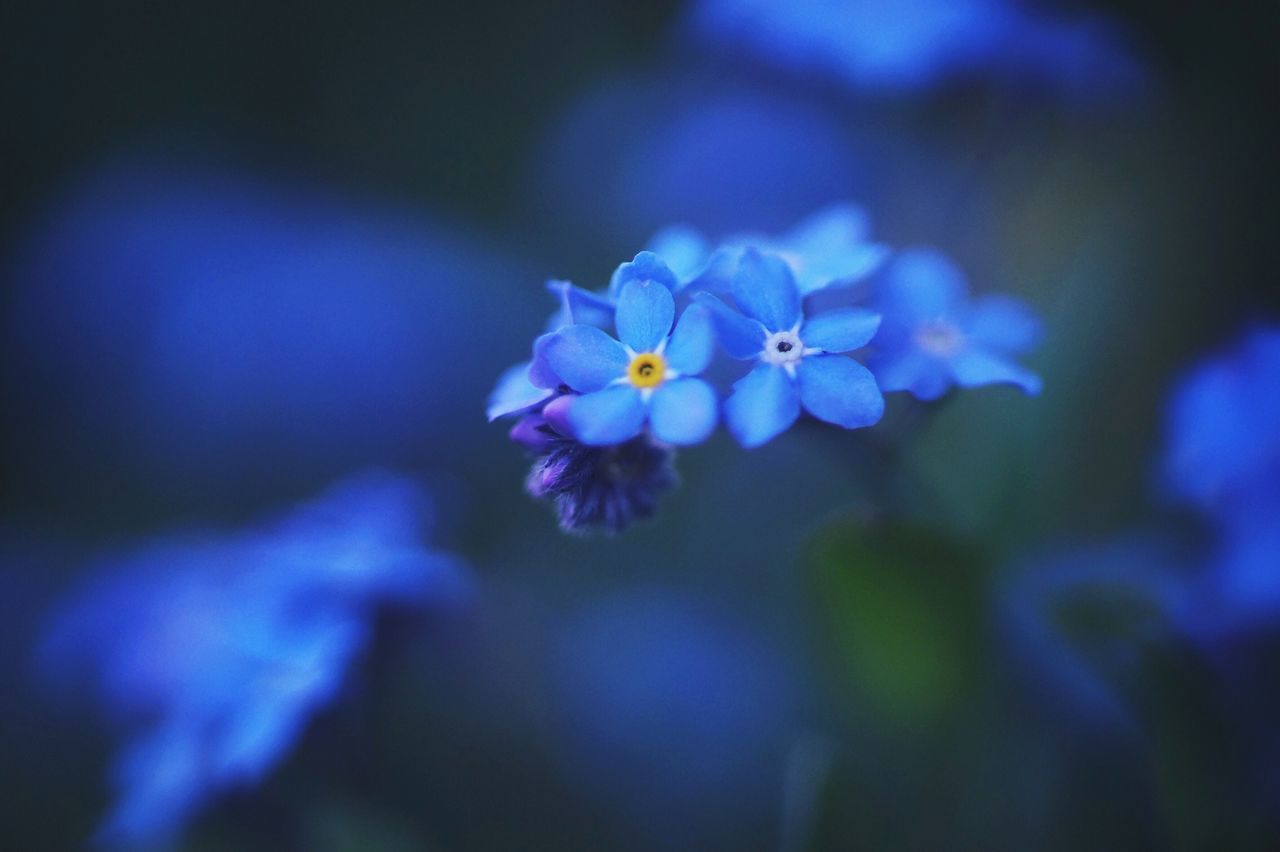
{"type": "Point", "coordinates": [647, 370]}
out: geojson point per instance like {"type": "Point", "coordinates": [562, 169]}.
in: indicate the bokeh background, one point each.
{"type": "Point", "coordinates": [250, 249]}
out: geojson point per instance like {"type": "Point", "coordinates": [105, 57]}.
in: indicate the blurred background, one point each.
{"type": "Point", "coordinates": [250, 250]}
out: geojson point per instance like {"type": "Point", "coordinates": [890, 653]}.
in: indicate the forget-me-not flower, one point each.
{"type": "Point", "coordinates": [900, 46]}
{"type": "Point", "coordinates": [215, 650]}
{"type": "Point", "coordinates": [799, 360]}
{"type": "Point", "coordinates": [1223, 424]}
{"type": "Point", "coordinates": [934, 335]}
{"type": "Point", "coordinates": [830, 248]}
{"type": "Point", "coordinates": [645, 376]}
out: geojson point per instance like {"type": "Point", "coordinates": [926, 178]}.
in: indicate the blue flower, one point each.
{"type": "Point", "coordinates": [906, 45]}
{"type": "Point", "coordinates": [646, 377]}
{"type": "Point", "coordinates": [934, 335]}
{"type": "Point", "coordinates": [1223, 425]}
{"type": "Point", "coordinates": [215, 650]}
{"type": "Point", "coordinates": [831, 248]}
{"type": "Point", "coordinates": [598, 488]}
{"type": "Point", "coordinates": [798, 359]}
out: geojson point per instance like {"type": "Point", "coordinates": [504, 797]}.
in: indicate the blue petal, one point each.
{"type": "Point", "coordinates": [911, 370]}
{"type": "Point", "coordinates": [832, 248]}
{"type": "Point", "coordinates": [646, 266]}
{"type": "Point", "coordinates": [839, 390]}
{"type": "Point", "coordinates": [975, 367]}
{"type": "Point", "coordinates": [684, 250]}
{"type": "Point", "coordinates": [541, 374]}
{"type": "Point", "coordinates": [1003, 324]}
{"type": "Point", "coordinates": [717, 274]}
{"type": "Point", "coordinates": [579, 306]}
{"type": "Point", "coordinates": [585, 357]}
{"type": "Point", "coordinates": [740, 336]}
{"type": "Point", "coordinates": [514, 393]}
{"type": "Point", "coordinates": [692, 343]}
{"type": "Point", "coordinates": [605, 417]}
{"type": "Point", "coordinates": [764, 404]}
{"type": "Point", "coordinates": [645, 313]}
{"type": "Point", "coordinates": [683, 411]}
{"type": "Point", "coordinates": [765, 289]}
{"type": "Point", "coordinates": [841, 330]}
{"type": "Point", "coordinates": [921, 285]}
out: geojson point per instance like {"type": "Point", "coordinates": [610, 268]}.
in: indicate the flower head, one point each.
{"type": "Point", "coordinates": [1223, 424]}
{"type": "Point", "coordinates": [600, 488]}
{"type": "Point", "coordinates": [934, 335]}
{"type": "Point", "coordinates": [645, 376]}
{"type": "Point", "coordinates": [215, 650]}
{"type": "Point", "coordinates": [799, 361]}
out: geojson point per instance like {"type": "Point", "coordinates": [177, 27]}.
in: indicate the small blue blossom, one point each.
{"type": "Point", "coordinates": [798, 359]}
{"type": "Point", "coordinates": [934, 335]}
{"type": "Point", "coordinates": [1223, 425]}
{"type": "Point", "coordinates": [599, 488]}
{"type": "Point", "coordinates": [900, 46]}
{"type": "Point", "coordinates": [647, 375]}
{"type": "Point", "coordinates": [214, 650]}
{"type": "Point", "coordinates": [831, 248]}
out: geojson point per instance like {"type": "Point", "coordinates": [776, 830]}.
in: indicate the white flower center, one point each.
{"type": "Point", "coordinates": [939, 338]}
{"type": "Point", "coordinates": [782, 347]}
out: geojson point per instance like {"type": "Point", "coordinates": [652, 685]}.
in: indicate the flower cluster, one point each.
{"type": "Point", "coordinates": [619, 377]}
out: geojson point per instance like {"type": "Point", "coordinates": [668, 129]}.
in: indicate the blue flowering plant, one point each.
{"type": "Point", "coordinates": [621, 377]}
{"type": "Point", "coordinates": [213, 651]}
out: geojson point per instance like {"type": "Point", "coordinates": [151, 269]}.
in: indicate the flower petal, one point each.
{"type": "Point", "coordinates": [585, 358]}
{"type": "Point", "coordinates": [579, 306]}
{"type": "Point", "coordinates": [1003, 324]}
{"type": "Point", "coordinates": [605, 417]}
{"type": "Point", "coordinates": [911, 370]}
{"type": "Point", "coordinates": [541, 373]}
{"type": "Point", "coordinates": [683, 411]}
{"type": "Point", "coordinates": [975, 367]}
{"type": "Point", "coordinates": [763, 405]}
{"type": "Point", "coordinates": [839, 390]}
{"type": "Point", "coordinates": [514, 393]}
{"type": "Point", "coordinates": [921, 285]}
{"type": "Point", "coordinates": [765, 290]}
{"type": "Point", "coordinates": [646, 266]}
{"type": "Point", "coordinates": [841, 330]}
{"type": "Point", "coordinates": [683, 250]}
{"type": "Point", "coordinates": [692, 343]}
{"type": "Point", "coordinates": [645, 313]}
{"type": "Point", "coordinates": [740, 336]}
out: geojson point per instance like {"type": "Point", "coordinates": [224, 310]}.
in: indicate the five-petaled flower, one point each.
{"type": "Point", "coordinates": [645, 376]}
{"type": "Point", "coordinates": [934, 335]}
{"type": "Point", "coordinates": [799, 360]}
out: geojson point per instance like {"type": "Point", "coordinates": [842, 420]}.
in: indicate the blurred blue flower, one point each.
{"type": "Point", "coordinates": [830, 248]}
{"type": "Point", "coordinates": [797, 357]}
{"type": "Point", "coordinates": [1081, 621]}
{"type": "Point", "coordinates": [672, 714]}
{"type": "Point", "coordinates": [934, 335]}
{"type": "Point", "coordinates": [898, 46]}
{"type": "Point", "coordinates": [721, 158]}
{"type": "Point", "coordinates": [1223, 425]}
{"type": "Point", "coordinates": [208, 329]}
{"type": "Point", "coordinates": [215, 650]}
{"type": "Point", "coordinates": [646, 376]}
{"type": "Point", "coordinates": [1244, 572]}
